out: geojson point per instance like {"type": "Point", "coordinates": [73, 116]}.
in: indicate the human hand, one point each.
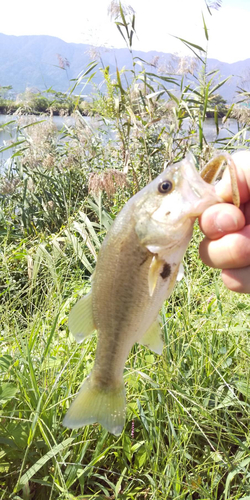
{"type": "Point", "coordinates": [227, 229]}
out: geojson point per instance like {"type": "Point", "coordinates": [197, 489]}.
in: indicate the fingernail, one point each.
{"type": "Point", "coordinates": [226, 222]}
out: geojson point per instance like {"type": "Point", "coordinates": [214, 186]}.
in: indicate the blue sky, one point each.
{"type": "Point", "coordinates": [86, 21]}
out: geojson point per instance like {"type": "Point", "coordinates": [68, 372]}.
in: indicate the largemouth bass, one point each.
{"type": "Point", "coordinates": [136, 271]}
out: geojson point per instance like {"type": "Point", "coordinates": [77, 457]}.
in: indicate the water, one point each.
{"type": "Point", "coordinates": [209, 129]}
{"type": "Point", "coordinates": [8, 127]}
{"type": "Point", "coordinates": [8, 133]}
{"type": "Point", "coordinates": [225, 130]}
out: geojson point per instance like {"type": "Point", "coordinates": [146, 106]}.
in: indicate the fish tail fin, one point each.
{"type": "Point", "coordinates": [92, 404]}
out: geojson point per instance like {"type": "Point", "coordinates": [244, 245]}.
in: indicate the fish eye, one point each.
{"type": "Point", "coordinates": [165, 187]}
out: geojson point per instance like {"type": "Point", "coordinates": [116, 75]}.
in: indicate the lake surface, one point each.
{"type": "Point", "coordinates": [8, 129]}
{"type": "Point", "coordinates": [225, 130]}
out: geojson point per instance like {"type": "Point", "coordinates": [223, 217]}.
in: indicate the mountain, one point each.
{"type": "Point", "coordinates": [34, 62]}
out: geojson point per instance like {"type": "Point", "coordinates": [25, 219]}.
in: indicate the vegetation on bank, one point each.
{"type": "Point", "coordinates": [34, 102]}
{"type": "Point", "coordinates": [187, 428]}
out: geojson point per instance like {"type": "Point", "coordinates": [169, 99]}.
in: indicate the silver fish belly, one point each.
{"type": "Point", "coordinates": [136, 271]}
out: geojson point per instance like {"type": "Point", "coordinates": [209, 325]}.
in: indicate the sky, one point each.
{"type": "Point", "coordinates": [157, 23]}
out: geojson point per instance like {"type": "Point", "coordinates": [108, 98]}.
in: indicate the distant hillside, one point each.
{"type": "Point", "coordinates": [34, 61]}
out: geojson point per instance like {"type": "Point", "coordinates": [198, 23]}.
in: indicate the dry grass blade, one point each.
{"type": "Point", "coordinates": [108, 181]}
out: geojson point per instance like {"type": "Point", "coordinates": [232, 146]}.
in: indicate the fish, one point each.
{"type": "Point", "coordinates": [137, 267]}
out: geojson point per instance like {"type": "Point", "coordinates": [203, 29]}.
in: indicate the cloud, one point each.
{"type": "Point", "coordinates": [229, 38]}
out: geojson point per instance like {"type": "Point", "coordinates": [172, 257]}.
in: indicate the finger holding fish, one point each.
{"type": "Point", "coordinates": [224, 189]}
{"type": "Point", "coordinates": [221, 219]}
{"type": "Point", "coordinates": [212, 169]}
{"type": "Point", "coordinates": [226, 227]}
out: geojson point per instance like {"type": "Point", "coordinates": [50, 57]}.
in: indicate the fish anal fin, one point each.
{"type": "Point", "coordinates": [93, 404]}
{"type": "Point", "coordinates": [153, 338]}
{"type": "Point", "coordinates": [81, 323]}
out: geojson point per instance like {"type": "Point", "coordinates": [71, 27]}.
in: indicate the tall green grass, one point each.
{"type": "Point", "coordinates": [187, 427]}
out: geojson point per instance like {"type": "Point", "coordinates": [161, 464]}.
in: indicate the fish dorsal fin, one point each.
{"type": "Point", "coordinates": [153, 273]}
{"type": "Point", "coordinates": [81, 323]}
{"type": "Point", "coordinates": [153, 338]}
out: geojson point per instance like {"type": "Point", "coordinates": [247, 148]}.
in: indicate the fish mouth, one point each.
{"type": "Point", "coordinates": [205, 198]}
{"type": "Point", "coordinates": [203, 194]}
{"type": "Point", "coordinates": [193, 198]}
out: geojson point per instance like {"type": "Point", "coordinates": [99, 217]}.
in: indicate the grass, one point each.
{"type": "Point", "coordinates": [187, 431]}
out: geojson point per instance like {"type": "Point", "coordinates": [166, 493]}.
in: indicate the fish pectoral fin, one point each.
{"type": "Point", "coordinates": [153, 273]}
{"type": "Point", "coordinates": [92, 404]}
{"type": "Point", "coordinates": [81, 323]}
{"type": "Point", "coordinates": [153, 338]}
{"type": "Point", "coordinates": [180, 274]}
